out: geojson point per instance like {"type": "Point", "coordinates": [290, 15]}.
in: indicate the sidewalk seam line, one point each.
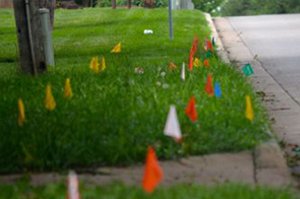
{"type": "Point", "coordinates": [239, 35]}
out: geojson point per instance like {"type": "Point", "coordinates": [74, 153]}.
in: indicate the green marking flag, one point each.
{"type": "Point", "coordinates": [208, 54]}
{"type": "Point", "coordinates": [247, 70]}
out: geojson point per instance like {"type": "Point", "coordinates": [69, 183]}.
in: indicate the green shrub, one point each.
{"type": "Point", "coordinates": [254, 7]}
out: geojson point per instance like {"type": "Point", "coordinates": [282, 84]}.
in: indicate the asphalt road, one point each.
{"type": "Point", "coordinates": [276, 41]}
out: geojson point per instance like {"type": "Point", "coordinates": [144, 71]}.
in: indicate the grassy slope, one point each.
{"type": "Point", "coordinates": [226, 191]}
{"type": "Point", "coordinates": [115, 115]}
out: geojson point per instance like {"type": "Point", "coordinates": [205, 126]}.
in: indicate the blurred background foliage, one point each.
{"type": "Point", "coordinates": [215, 7]}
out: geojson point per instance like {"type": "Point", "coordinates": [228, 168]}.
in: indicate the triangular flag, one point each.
{"type": "Point", "coordinates": [182, 75]}
{"type": "Point", "coordinates": [209, 45]}
{"type": "Point", "coordinates": [209, 89]}
{"type": "Point", "coordinates": [247, 70]}
{"type": "Point", "coordinates": [191, 111]}
{"type": "Point", "coordinates": [68, 91]}
{"type": "Point", "coordinates": [73, 186]}
{"type": "Point", "coordinates": [21, 117]}
{"type": "Point", "coordinates": [196, 62]}
{"type": "Point", "coordinates": [191, 62]}
{"type": "Point", "coordinates": [117, 48]}
{"type": "Point", "coordinates": [153, 173]}
{"type": "Point", "coordinates": [172, 66]}
{"type": "Point", "coordinates": [195, 44]}
{"type": "Point", "coordinates": [249, 109]}
{"type": "Point", "coordinates": [49, 102]}
{"type": "Point", "coordinates": [94, 65]}
{"type": "Point", "coordinates": [217, 89]}
{"type": "Point", "coordinates": [172, 127]}
{"type": "Point", "coordinates": [206, 63]}
{"type": "Point", "coordinates": [192, 53]}
{"type": "Point", "coordinates": [103, 64]}
{"type": "Point", "coordinates": [213, 42]}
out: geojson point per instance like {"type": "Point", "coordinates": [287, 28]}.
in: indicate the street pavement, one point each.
{"type": "Point", "coordinates": [276, 41]}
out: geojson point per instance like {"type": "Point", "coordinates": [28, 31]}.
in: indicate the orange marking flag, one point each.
{"type": "Point", "coordinates": [191, 110]}
{"type": "Point", "coordinates": [153, 173]}
{"type": "Point", "coordinates": [209, 89]}
{"type": "Point", "coordinates": [21, 117]}
{"type": "Point", "coordinates": [209, 45]}
{"type": "Point", "coordinates": [192, 53]}
{"type": "Point", "coordinates": [206, 62]}
{"type": "Point", "coordinates": [172, 66]}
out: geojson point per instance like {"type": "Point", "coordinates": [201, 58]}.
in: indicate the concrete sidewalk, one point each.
{"type": "Point", "coordinates": [264, 166]}
{"type": "Point", "coordinates": [282, 109]}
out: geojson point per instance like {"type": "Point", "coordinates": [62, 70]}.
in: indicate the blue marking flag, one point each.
{"type": "Point", "coordinates": [217, 89]}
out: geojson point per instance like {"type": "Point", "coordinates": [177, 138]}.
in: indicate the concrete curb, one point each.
{"type": "Point", "coordinates": [270, 165]}
{"type": "Point", "coordinates": [220, 47]}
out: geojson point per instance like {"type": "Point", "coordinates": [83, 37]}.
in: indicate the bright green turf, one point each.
{"type": "Point", "coordinates": [115, 115]}
{"type": "Point", "coordinates": [117, 191]}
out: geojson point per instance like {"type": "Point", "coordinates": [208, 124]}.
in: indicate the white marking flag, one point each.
{"type": "Point", "coordinates": [172, 127]}
{"type": "Point", "coordinates": [183, 71]}
{"type": "Point", "coordinates": [73, 192]}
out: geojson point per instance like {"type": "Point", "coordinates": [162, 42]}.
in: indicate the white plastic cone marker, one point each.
{"type": "Point", "coordinates": [183, 71]}
{"type": "Point", "coordinates": [73, 192]}
{"type": "Point", "coordinates": [172, 127]}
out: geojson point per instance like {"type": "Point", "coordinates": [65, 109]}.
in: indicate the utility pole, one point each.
{"type": "Point", "coordinates": [30, 36]}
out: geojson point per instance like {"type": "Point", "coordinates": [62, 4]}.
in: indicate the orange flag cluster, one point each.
{"type": "Point", "coordinates": [192, 53]}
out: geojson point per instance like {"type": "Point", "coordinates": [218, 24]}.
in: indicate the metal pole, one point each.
{"type": "Point", "coordinates": [170, 20]}
{"type": "Point", "coordinates": [47, 34]}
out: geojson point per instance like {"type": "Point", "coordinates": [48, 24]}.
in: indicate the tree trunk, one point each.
{"type": "Point", "coordinates": [128, 4]}
{"type": "Point", "coordinates": [113, 4]}
{"type": "Point", "coordinates": [30, 37]}
{"type": "Point", "coordinates": [85, 3]}
{"type": "Point", "coordinates": [149, 3]}
{"type": "Point", "coordinates": [52, 10]}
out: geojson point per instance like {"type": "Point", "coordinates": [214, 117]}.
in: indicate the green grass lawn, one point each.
{"type": "Point", "coordinates": [118, 191]}
{"type": "Point", "coordinates": [113, 116]}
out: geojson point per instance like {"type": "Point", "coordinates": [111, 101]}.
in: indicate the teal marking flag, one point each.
{"type": "Point", "coordinates": [213, 42]}
{"type": "Point", "coordinates": [247, 70]}
{"type": "Point", "coordinates": [208, 54]}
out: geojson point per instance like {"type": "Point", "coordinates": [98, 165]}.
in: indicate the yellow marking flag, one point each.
{"type": "Point", "coordinates": [117, 48]}
{"type": "Point", "coordinates": [94, 65]}
{"type": "Point", "coordinates": [103, 65]}
{"type": "Point", "coordinates": [21, 117]}
{"type": "Point", "coordinates": [197, 62]}
{"type": "Point", "coordinates": [249, 109]}
{"type": "Point", "coordinates": [68, 91]}
{"type": "Point", "coordinates": [49, 102]}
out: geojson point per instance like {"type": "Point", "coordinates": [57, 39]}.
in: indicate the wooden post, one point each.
{"type": "Point", "coordinates": [30, 36]}
{"type": "Point", "coordinates": [128, 4]}
{"type": "Point", "coordinates": [113, 4]}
